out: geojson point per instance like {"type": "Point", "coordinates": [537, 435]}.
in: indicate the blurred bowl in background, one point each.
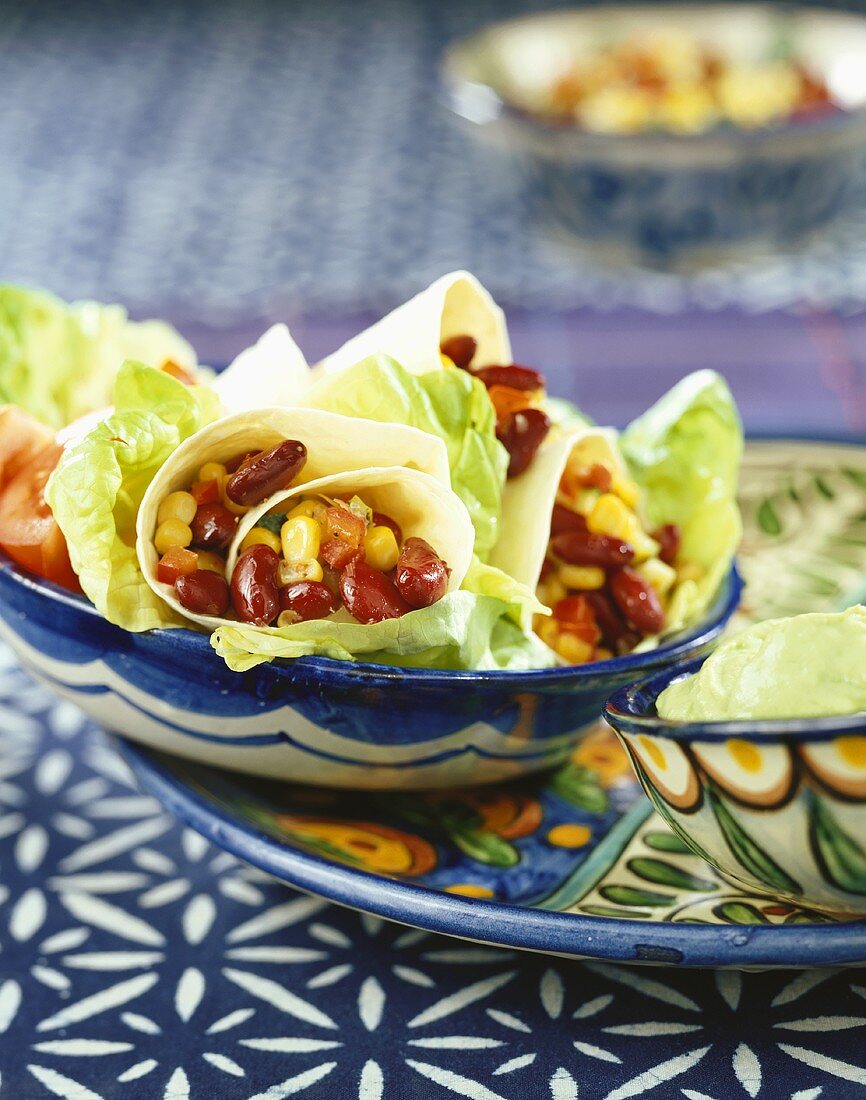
{"type": "Point", "coordinates": [663, 198]}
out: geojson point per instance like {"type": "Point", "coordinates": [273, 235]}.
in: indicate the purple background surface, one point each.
{"type": "Point", "coordinates": [793, 373]}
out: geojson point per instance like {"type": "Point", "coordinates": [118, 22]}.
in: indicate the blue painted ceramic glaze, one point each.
{"type": "Point", "coordinates": [777, 806]}
{"type": "Point", "coordinates": [317, 720]}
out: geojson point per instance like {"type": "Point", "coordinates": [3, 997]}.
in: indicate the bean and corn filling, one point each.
{"type": "Point", "coordinates": [517, 394]}
{"type": "Point", "coordinates": [607, 580]}
{"type": "Point", "coordinates": [308, 562]}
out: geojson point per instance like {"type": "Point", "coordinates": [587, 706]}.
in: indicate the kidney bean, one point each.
{"type": "Point", "coordinates": [421, 575]}
{"type": "Point", "coordinates": [255, 596]}
{"type": "Point", "coordinates": [607, 616]}
{"type": "Point", "coordinates": [308, 600]}
{"type": "Point", "coordinates": [460, 350]}
{"type": "Point", "coordinates": [203, 592]}
{"type": "Point", "coordinates": [369, 595]}
{"type": "Point", "coordinates": [637, 600]}
{"type": "Point", "coordinates": [513, 376]}
{"type": "Point", "coordinates": [669, 538]}
{"type": "Point", "coordinates": [268, 472]}
{"type": "Point", "coordinates": [583, 548]}
{"type": "Point", "coordinates": [381, 520]}
{"type": "Point", "coordinates": [522, 433]}
{"type": "Point", "coordinates": [213, 526]}
{"type": "Point", "coordinates": [563, 519]}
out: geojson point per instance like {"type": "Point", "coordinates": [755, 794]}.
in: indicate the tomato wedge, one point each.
{"type": "Point", "coordinates": [28, 531]}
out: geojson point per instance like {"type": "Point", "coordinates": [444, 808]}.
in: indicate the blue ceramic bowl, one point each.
{"type": "Point", "coordinates": [665, 199]}
{"type": "Point", "coordinates": [317, 720]}
{"type": "Point", "coordinates": [778, 807]}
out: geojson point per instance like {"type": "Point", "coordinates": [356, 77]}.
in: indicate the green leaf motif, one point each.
{"type": "Point", "coordinates": [580, 787]}
{"type": "Point", "coordinates": [663, 873]}
{"type": "Point", "coordinates": [739, 912]}
{"type": "Point", "coordinates": [841, 858]}
{"type": "Point", "coordinates": [857, 476]}
{"type": "Point", "coordinates": [631, 895]}
{"type": "Point", "coordinates": [768, 521]}
{"type": "Point", "coordinates": [751, 857]}
{"type": "Point", "coordinates": [666, 842]}
{"type": "Point", "coordinates": [486, 847]}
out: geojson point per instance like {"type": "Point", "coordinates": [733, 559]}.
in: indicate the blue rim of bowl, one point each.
{"type": "Point", "coordinates": [631, 710]}
{"type": "Point", "coordinates": [525, 928]}
{"type": "Point", "coordinates": [710, 626]}
{"type": "Point", "coordinates": [822, 123]}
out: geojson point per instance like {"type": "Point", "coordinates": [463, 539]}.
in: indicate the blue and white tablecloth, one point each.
{"type": "Point", "coordinates": [208, 160]}
{"type": "Point", "coordinates": [138, 962]}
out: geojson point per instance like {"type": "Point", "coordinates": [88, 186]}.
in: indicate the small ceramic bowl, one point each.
{"type": "Point", "coordinates": [667, 199]}
{"type": "Point", "coordinates": [315, 720]}
{"type": "Point", "coordinates": [776, 806]}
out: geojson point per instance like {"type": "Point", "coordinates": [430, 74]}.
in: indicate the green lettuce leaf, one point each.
{"type": "Point", "coordinates": [101, 478]}
{"type": "Point", "coordinates": [448, 403]}
{"type": "Point", "coordinates": [462, 631]}
{"type": "Point", "coordinates": [685, 454]}
{"type": "Point", "coordinates": [59, 361]}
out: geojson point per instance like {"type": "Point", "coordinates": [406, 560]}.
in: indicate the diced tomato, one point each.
{"type": "Point", "coordinates": [345, 526]}
{"type": "Point", "coordinates": [507, 399]}
{"type": "Point", "coordinates": [338, 554]}
{"type": "Point", "coordinates": [576, 616]}
{"type": "Point", "coordinates": [206, 492]}
{"type": "Point", "coordinates": [181, 373]}
{"type": "Point", "coordinates": [28, 531]}
{"type": "Point", "coordinates": [21, 437]}
{"type": "Point", "coordinates": [176, 562]}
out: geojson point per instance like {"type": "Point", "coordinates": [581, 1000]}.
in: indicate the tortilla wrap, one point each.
{"type": "Point", "coordinates": [528, 500]}
{"type": "Point", "coordinates": [335, 445]}
{"type": "Point", "coordinates": [455, 305]}
{"type": "Point", "coordinates": [273, 371]}
{"type": "Point", "coordinates": [420, 503]}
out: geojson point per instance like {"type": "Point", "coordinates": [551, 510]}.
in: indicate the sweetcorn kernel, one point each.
{"type": "Point", "coordinates": [172, 533]}
{"type": "Point", "coordinates": [659, 574]}
{"type": "Point", "coordinates": [207, 559]}
{"type": "Point", "coordinates": [688, 571]}
{"type": "Point", "coordinates": [291, 572]}
{"type": "Point", "coordinates": [581, 576]}
{"type": "Point", "coordinates": [235, 509]}
{"type": "Point", "coordinates": [626, 490]}
{"type": "Point", "coordinates": [548, 630]}
{"type": "Point", "coordinates": [446, 360]}
{"type": "Point", "coordinates": [610, 516]}
{"type": "Point", "coordinates": [261, 536]}
{"type": "Point", "coordinates": [573, 649]}
{"type": "Point", "coordinates": [381, 549]}
{"type": "Point", "coordinates": [301, 538]}
{"type": "Point", "coordinates": [212, 471]}
{"type": "Point", "coordinates": [315, 509]}
{"type": "Point", "coordinates": [178, 505]}
{"type": "Point", "coordinates": [551, 590]}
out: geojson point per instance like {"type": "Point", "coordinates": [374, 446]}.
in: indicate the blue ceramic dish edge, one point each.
{"type": "Point", "coordinates": [530, 929]}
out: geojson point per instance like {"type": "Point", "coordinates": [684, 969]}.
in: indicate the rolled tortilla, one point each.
{"type": "Point", "coordinates": [271, 372]}
{"type": "Point", "coordinates": [454, 305]}
{"type": "Point", "coordinates": [528, 500]}
{"type": "Point", "coordinates": [335, 445]}
{"type": "Point", "coordinates": [421, 504]}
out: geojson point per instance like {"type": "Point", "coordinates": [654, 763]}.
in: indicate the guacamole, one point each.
{"type": "Point", "coordinates": [807, 666]}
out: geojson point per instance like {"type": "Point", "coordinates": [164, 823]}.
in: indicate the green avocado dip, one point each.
{"type": "Point", "coordinates": [807, 666]}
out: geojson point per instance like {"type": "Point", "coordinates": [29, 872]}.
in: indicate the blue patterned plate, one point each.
{"type": "Point", "coordinates": [574, 862]}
